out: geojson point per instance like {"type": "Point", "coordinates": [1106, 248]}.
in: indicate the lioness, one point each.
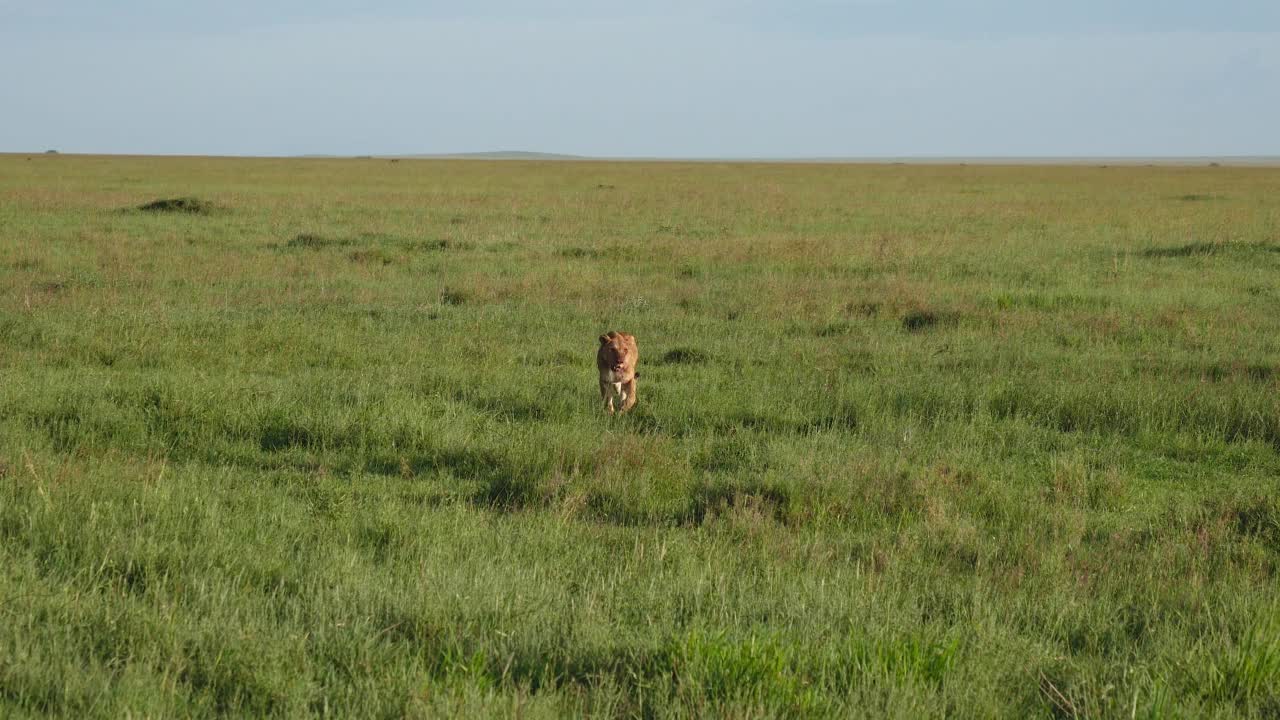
{"type": "Point", "coordinates": [616, 361]}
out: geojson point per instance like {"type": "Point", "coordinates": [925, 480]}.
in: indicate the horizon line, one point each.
{"type": "Point", "coordinates": [526, 155]}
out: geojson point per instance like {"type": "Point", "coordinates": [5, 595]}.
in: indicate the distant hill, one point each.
{"type": "Point", "coordinates": [501, 155]}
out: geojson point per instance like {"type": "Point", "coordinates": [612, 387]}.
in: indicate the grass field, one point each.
{"type": "Point", "coordinates": [911, 441]}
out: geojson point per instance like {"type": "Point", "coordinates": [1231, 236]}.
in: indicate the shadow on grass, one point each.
{"type": "Point", "coordinates": [688, 668]}
{"type": "Point", "coordinates": [280, 434]}
{"type": "Point", "coordinates": [1257, 517]}
{"type": "Point", "coordinates": [644, 421]}
{"type": "Point", "coordinates": [507, 406]}
{"type": "Point", "coordinates": [495, 481]}
{"type": "Point", "coordinates": [921, 320]}
{"type": "Point", "coordinates": [1112, 415]}
{"type": "Point", "coordinates": [683, 356]}
{"type": "Point", "coordinates": [228, 677]}
{"type": "Point", "coordinates": [537, 664]}
{"type": "Point", "coordinates": [718, 497]}
{"type": "Point", "coordinates": [1211, 249]}
{"type": "Point", "coordinates": [1252, 372]}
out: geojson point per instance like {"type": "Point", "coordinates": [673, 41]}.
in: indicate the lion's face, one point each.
{"type": "Point", "coordinates": [617, 355]}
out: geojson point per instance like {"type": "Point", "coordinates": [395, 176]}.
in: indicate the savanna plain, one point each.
{"type": "Point", "coordinates": [324, 438]}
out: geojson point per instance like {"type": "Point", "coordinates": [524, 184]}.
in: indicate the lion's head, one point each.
{"type": "Point", "coordinates": [617, 355]}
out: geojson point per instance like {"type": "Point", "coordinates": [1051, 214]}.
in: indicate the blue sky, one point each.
{"type": "Point", "coordinates": [699, 78]}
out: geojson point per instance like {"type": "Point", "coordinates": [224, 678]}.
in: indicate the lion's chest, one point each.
{"type": "Point", "coordinates": [616, 389]}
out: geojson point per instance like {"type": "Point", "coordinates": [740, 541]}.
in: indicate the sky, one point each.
{"type": "Point", "coordinates": [663, 78]}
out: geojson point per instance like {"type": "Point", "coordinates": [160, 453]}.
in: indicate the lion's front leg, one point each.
{"type": "Point", "coordinates": [606, 394]}
{"type": "Point", "coordinates": [628, 394]}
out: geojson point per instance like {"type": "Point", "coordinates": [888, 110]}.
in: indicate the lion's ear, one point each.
{"type": "Point", "coordinates": [604, 339]}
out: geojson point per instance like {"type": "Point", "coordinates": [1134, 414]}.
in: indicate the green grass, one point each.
{"type": "Point", "coordinates": [911, 441]}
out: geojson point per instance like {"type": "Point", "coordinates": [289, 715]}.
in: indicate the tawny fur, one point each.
{"type": "Point", "coordinates": [616, 360]}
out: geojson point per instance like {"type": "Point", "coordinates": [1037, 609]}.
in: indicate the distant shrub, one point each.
{"type": "Point", "coordinates": [189, 205]}
{"type": "Point", "coordinates": [607, 252]}
{"type": "Point", "coordinates": [832, 329]}
{"type": "Point", "coordinates": [578, 252]}
{"type": "Point", "coordinates": [371, 257]}
{"type": "Point", "coordinates": [920, 320]}
{"type": "Point", "coordinates": [452, 296]}
{"type": "Point", "coordinates": [52, 287]}
{"type": "Point", "coordinates": [437, 245]}
{"type": "Point", "coordinates": [865, 309]}
{"type": "Point", "coordinates": [373, 241]}
{"type": "Point", "coordinates": [312, 241]}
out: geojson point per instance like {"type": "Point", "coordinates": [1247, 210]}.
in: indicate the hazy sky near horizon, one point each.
{"type": "Point", "coordinates": [698, 78]}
